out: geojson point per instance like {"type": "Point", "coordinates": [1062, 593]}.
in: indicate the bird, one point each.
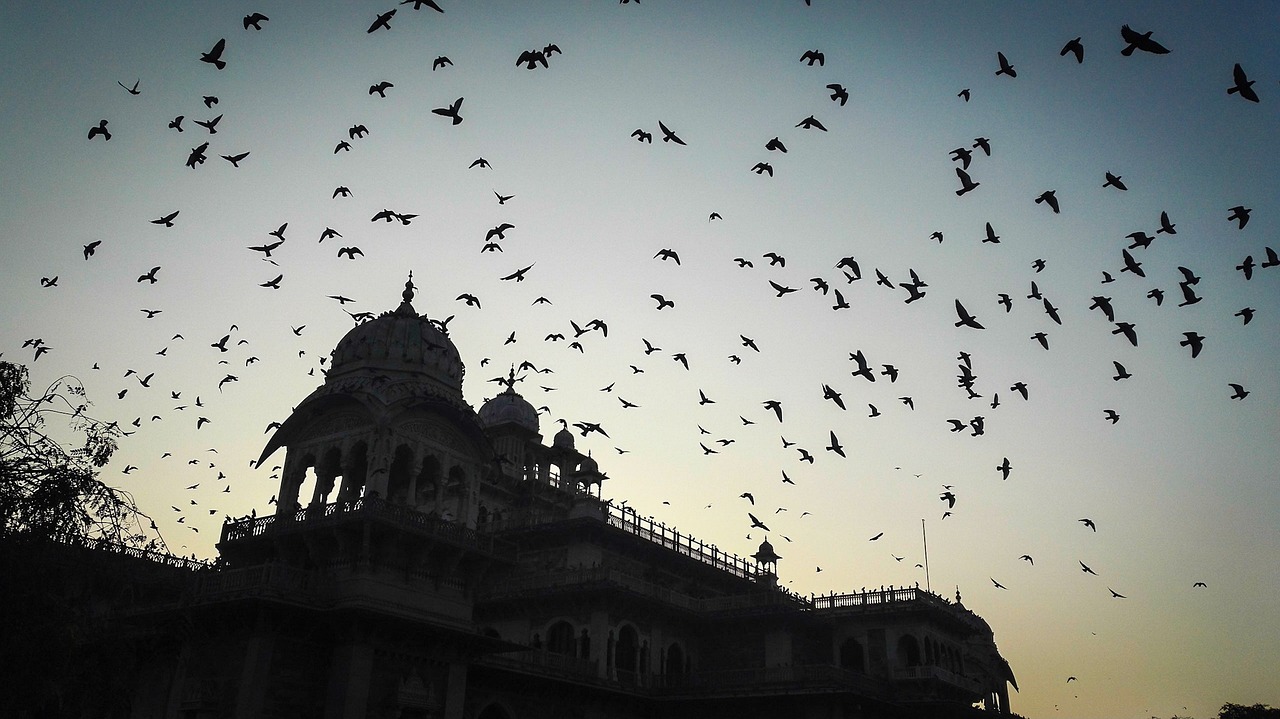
{"type": "Point", "coordinates": [150, 276]}
{"type": "Point", "coordinates": [350, 252]}
{"type": "Point", "coordinates": [662, 301]}
{"type": "Point", "coordinates": [1005, 67]}
{"type": "Point", "coordinates": [1074, 47]}
{"type": "Point", "coordinates": [1111, 415]}
{"type": "Point", "coordinates": [1243, 85]}
{"type": "Point", "coordinates": [1087, 569]}
{"type": "Point", "coordinates": [838, 93]}
{"type": "Point", "coordinates": [380, 88]}
{"type": "Point", "coordinates": [176, 123]}
{"type": "Point", "coordinates": [1128, 330]}
{"type": "Point", "coordinates": [383, 21]}
{"type": "Point", "coordinates": [1027, 558]}
{"type": "Point", "coordinates": [1115, 594]}
{"type": "Point", "coordinates": [834, 446]}
{"type": "Point", "coordinates": [966, 319]}
{"type": "Point", "coordinates": [531, 59]}
{"type": "Point", "coordinates": [518, 275]}
{"type": "Point", "coordinates": [357, 131]}
{"type": "Point", "coordinates": [135, 91]}
{"type": "Point", "coordinates": [1114, 181]}
{"type": "Point", "coordinates": [417, 4]}
{"type": "Point", "coordinates": [90, 248]}
{"type": "Point", "coordinates": [814, 56]}
{"type": "Point", "coordinates": [273, 283]}
{"type": "Point", "coordinates": [964, 94]}
{"type": "Point", "coordinates": [1121, 372]}
{"type": "Point", "coordinates": [1193, 340]}
{"type": "Point", "coordinates": [1246, 314]}
{"type": "Point", "coordinates": [235, 159]}
{"type": "Point", "coordinates": [101, 129]}
{"type": "Point", "coordinates": [1238, 391]}
{"type": "Point", "coordinates": [1246, 266]}
{"type": "Point", "coordinates": [755, 522]}
{"type": "Point", "coordinates": [1088, 523]}
{"type": "Point", "coordinates": [763, 168]}
{"type": "Point", "coordinates": [776, 407]}
{"type": "Point", "coordinates": [343, 145]}
{"type": "Point", "coordinates": [255, 20]}
{"type": "Point", "coordinates": [1050, 198]}
{"type": "Point", "coordinates": [440, 62]}
{"type": "Point", "coordinates": [1140, 41]}
{"type": "Point", "coordinates": [451, 111]}
{"type": "Point", "coordinates": [668, 135]}
{"type": "Point", "coordinates": [1131, 265]}
{"type": "Point", "coordinates": [810, 123]}
{"type": "Point", "coordinates": [998, 585]}
{"type": "Point", "coordinates": [775, 145]}
{"type": "Point", "coordinates": [1240, 214]}
{"type": "Point", "coordinates": [876, 537]}
{"type": "Point", "coordinates": [966, 183]}
{"type": "Point", "coordinates": [780, 289]}
{"type": "Point", "coordinates": [214, 56]}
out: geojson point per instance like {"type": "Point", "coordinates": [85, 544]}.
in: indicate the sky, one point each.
{"type": "Point", "coordinates": [1182, 487]}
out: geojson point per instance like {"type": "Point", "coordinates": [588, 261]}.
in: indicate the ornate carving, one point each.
{"type": "Point", "coordinates": [326, 426]}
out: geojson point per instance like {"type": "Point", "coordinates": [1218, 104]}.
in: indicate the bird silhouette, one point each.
{"type": "Point", "coordinates": [135, 91]}
{"type": "Point", "coordinates": [1140, 41]}
{"type": "Point", "coordinates": [383, 21]}
{"type": "Point", "coordinates": [380, 88]}
{"type": "Point", "coordinates": [214, 56]}
{"type": "Point", "coordinates": [838, 93]}
{"type": "Point", "coordinates": [254, 20]}
{"type": "Point", "coordinates": [814, 56]}
{"type": "Point", "coordinates": [451, 111]}
{"type": "Point", "coordinates": [1005, 67]}
{"type": "Point", "coordinates": [668, 135]}
{"type": "Point", "coordinates": [966, 183]}
{"type": "Point", "coordinates": [101, 129]}
{"type": "Point", "coordinates": [1243, 85]}
{"type": "Point", "coordinates": [1075, 48]}
{"type": "Point", "coordinates": [966, 319]}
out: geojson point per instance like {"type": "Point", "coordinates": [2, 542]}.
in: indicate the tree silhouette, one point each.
{"type": "Point", "coordinates": [52, 493]}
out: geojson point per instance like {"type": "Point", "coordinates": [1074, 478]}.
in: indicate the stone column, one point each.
{"type": "Point", "coordinates": [455, 690]}
{"type": "Point", "coordinates": [255, 671]}
{"type": "Point", "coordinates": [350, 675]}
{"type": "Point", "coordinates": [295, 472]}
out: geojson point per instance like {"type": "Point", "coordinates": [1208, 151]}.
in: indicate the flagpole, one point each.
{"type": "Point", "coordinates": [925, 536]}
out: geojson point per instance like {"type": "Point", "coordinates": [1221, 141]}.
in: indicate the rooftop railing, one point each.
{"type": "Point", "coordinates": [375, 508]}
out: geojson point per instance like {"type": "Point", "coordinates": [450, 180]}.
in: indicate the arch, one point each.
{"type": "Point", "coordinates": [908, 651]}
{"type": "Point", "coordinates": [427, 492]}
{"type": "Point", "coordinates": [398, 479]}
{"type": "Point", "coordinates": [494, 710]}
{"type": "Point", "coordinates": [675, 665]}
{"type": "Point", "coordinates": [355, 470]}
{"type": "Point", "coordinates": [626, 650]}
{"type": "Point", "coordinates": [560, 638]}
{"type": "Point", "coordinates": [852, 656]}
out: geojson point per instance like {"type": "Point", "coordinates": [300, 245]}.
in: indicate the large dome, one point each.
{"type": "Point", "coordinates": [397, 344]}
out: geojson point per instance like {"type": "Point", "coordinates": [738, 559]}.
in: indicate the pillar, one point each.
{"type": "Point", "coordinates": [350, 675]}
{"type": "Point", "coordinates": [254, 672]}
{"type": "Point", "coordinates": [290, 482]}
{"type": "Point", "coordinates": [455, 690]}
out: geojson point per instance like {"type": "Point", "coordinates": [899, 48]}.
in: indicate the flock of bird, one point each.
{"type": "Point", "coordinates": [761, 416]}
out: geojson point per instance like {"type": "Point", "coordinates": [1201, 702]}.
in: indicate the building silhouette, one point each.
{"type": "Point", "coordinates": [428, 560]}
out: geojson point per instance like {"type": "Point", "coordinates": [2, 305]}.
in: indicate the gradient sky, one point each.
{"type": "Point", "coordinates": [1183, 488]}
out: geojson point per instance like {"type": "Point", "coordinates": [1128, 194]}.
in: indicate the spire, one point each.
{"type": "Point", "coordinates": [406, 307]}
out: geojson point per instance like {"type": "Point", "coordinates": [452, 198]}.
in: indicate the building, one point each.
{"type": "Point", "coordinates": [429, 560]}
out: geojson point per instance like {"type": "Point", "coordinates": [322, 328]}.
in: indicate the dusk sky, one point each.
{"type": "Point", "coordinates": [1182, 486]}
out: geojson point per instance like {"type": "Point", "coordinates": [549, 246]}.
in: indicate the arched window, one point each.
{"type": "Point", "coordinates": [675, 660]}
{"type": "Point", "coordinates": [560, 638]}
{"type": "Point", "coordinates": [852, 657]}
{"type": "Point", "coordinates": [908, 651]}
{"type": "Point", "coordinates": [626, 650]}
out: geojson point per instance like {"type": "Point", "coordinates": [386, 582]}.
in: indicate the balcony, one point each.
{"type": "Point", "coordinates": [924, 673]}
{"type": "Point", "coordinates": [376, 510]}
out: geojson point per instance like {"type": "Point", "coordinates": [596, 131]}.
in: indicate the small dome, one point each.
{"type": "Point", "coordinates": [588, 466]}
{"type": "Point", "coordinates": [508, 407]}
{"type": "Point", "coordinates": [563, 439]}
{"type": "Point", "coordinates": [400, 343]}
{"type": "Point", "coordinates": [766, 555]}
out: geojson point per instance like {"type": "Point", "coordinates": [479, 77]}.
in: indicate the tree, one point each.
{"type": "Point", "coordinates": [49, 492]}
{"type": "Point", "coordinates": [1240, 711]}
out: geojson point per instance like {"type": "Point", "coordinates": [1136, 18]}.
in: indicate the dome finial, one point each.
{"type": "Point", "coordinates": [405, 307]}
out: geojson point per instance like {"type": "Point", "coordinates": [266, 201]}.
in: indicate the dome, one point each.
{"type": "Point", "coordinates": [400, 343]}
{"type": "Point", "coordinates": [508, 407]}
{"type": "Point", "coordinates": [588, 466]}
{"type": "Point", "coordinates": [563, 439]}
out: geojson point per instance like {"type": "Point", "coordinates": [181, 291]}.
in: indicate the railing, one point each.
{"type": "Point", "coordinates": [771, 680]}
{"type": "Point", "coordinates": [377, 508]}
{"type": "Point", "coordinates": [875, 599]}
{"type": "Point", "coordinates": [149, 555]}
{"type": "Point", "coordinates": [582, 577]}
{"type": "Point", "coordinates": [547, 662]}
{"type": "Point", "coordinates": [648, 528]}
{"type": "Point", "coordinates": [299, 585]}
{"type": "Point", "coordinates": [935, 672]}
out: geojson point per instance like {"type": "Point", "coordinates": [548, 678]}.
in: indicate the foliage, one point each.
{"type": "Point", "coordinates": [49, 492]}
{"type": "Point", "coordinates": [1240, 711]}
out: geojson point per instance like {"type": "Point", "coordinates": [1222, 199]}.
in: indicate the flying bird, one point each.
{"type": "Point", "coordinates": [450, 111]}
{"type": "Point", "coordinates": [383, 21]}
{"type": "Point", "coordinates": [380, 88]}
{"type": "Point", "coordinates": [214, 56]}
{"type": "Point", "coordinates": [135, 91]}
{"type": "Point", "coordinates": [668, 135]}
{"type": "Point", "coordinates": [1074, 47]}
{"type": "Point", "coordinates": [1243, 85]}
{"type": "Point", "coordinates": [966, 183]}
{"type": "Point", "coordinates": [1005, 67]}
{"type": "Point", "coordinates": [1140, 41]}
{"type": "Point", "coordinates": [966, 319]}
{"type": "Point", "coordinates": [101, 129]}
{"type": "Point", "coordinates": [812, 56]}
